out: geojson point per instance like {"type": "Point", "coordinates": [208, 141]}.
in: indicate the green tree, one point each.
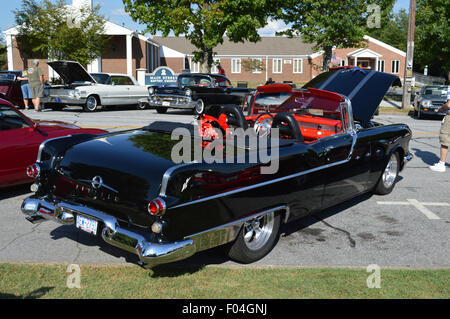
{"type": "Point", "coordinates": [394, 30]}
{"type": "Point", "coordinates": [203, 22]}
{"type": "Point", "coordinates": [330, 23]}
{"type": "Point", "coordinates": [3, 55]}
{"type": "Point", "coordinates": [59, 31]}
{"type": "Point", "coordinates": [432, 37]}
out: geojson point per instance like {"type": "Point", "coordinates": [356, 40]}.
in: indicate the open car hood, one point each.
{"type": "Point", "coordinates": [364, 88]}
{"type": "Point", "coordinates": [71, 72]}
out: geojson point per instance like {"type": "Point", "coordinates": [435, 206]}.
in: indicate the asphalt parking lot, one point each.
{"type": "Point", "coordinates": [407, 228]}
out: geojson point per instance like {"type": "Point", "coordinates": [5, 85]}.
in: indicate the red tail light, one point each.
{"type": "Point", "coordinates": [33, 171]}
{"type": "Point", "coordinates": [157, 207]}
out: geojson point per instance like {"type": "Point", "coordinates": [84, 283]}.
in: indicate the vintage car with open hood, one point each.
{"type": "Point", "coordinates": [128, 188]}
{"type": "Point", "coordinates": [91, 91]}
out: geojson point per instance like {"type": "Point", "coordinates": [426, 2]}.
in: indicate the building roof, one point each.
{"type": "Point", "coordinates": [268, 46]}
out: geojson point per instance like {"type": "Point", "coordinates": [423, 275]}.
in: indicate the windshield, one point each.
{"type": "Point", "coordinates": [221, 82]}
{"type": "Point", "coordinates": [7, 77]}
{"type": "Point", "coordinates": [101, 78]}
{"type": "Point", "coordinates": [298, 102]}
{"type": "Point", "coordinates": [10, 120]}
{"type": "Point", "coordinates": [435, 90]}
{"type": "Point", "coordinates": [194, 80]}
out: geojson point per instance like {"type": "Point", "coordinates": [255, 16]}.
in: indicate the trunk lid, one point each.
{"type": "Point", "coordinates": [365, 88]}
{"type": "Point", "coordinates": [118, 174]}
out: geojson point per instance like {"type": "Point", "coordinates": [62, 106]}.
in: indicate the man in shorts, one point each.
{"type": "Point", "coordinates": [36, 82]}
{"type": "Point", "coordinates": [444, 136]}
{"type": "Point", "coordinates": [26, 92]}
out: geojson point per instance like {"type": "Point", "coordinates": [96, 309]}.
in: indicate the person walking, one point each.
{"type": "Point", "coordinates": [36, 81]}
{"type": "Point", "coordinates": [444, 136]}
{"type": "Point", "coordinates": [26, 92]}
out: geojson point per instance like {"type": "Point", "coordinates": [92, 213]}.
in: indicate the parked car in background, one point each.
{"type": "Point", "coordinates": [197, 92]}
{"type": "Point", "coordinates": [126, 187]}
{"type": "Point", "coordinates": [429, 99]}
{"type": "Point", "coordinates": [20, 138]}
{"type": "Point", "coordinates": [10, 87]}
{"type": "Point", "coordinates": [91, 91]}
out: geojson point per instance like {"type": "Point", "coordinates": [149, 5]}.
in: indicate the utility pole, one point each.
{"type": "Point", "coordinates": [407, 79]}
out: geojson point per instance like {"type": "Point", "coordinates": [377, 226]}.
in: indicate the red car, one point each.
{"type": "Point", "coordinates": [20, 138]}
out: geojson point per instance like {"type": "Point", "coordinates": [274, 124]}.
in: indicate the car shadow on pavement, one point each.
{"type": "Point", "coordinates": [307, 221]}
{"type": "Point", "coordinates": [213, 256]}
{"type": "Point", "coordinates": [85, 239]}
{"type": "Point", "coordinates": [14, 191]}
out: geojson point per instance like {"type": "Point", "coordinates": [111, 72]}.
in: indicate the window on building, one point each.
{"type": "Point", "coordinates": [195, 67]}
{"type": "Point", "coordinates": [257, 70]}
{"type": "Point", "coordinates": [395, 67]}
{"type": "Point", "coordinates": [236, 65]}
{"type": "Point", "coordinates": [298, 65]}
{"type": "Point", "coordinates": [381, 65]}
{"type": "Point", "coordinates": [277, 65]}
{"type": "Point", "coordinates": [214, 68]}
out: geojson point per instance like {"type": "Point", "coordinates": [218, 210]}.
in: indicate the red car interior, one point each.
{"type": "Point", "coordinates": [317, 112]}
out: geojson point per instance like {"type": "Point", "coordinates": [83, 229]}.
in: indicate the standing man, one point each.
{"type": "Point", "coordinates": [444, 136]}
{"type": "Point", "coordinates": [36, 82]}
{"type": "Point", "coordinates": [26, 92]}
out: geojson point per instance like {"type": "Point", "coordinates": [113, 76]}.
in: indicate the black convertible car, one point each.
{"type": "Point", "coordinates": [127, 188]}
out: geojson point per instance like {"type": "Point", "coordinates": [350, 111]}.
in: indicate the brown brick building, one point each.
{"type": "Point", "coordinates": [127, 51]}
{"type": "Point", "coordinates": [284, 59]}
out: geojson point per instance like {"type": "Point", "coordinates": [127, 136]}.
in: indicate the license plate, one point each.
{"type": "Point", "coordinates": [57, 100]}
{"type": "Point", "coordinates": [165, 103]}
{"type": "Point", "coordinates": [87, 224]}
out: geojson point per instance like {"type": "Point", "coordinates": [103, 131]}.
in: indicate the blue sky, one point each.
{"type": "Point", "coordinates": [113, 11]}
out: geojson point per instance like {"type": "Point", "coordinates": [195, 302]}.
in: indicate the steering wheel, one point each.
{"type": "Point", "coordinates": [263, 124]}
{"type": "Point", "coordinates": [234, 116]}
{"type": "Point", "coordinates": [288, 125]}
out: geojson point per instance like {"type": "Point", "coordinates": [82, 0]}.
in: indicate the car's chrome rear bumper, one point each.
{"type": "Point", "coordinates": [150, 253]}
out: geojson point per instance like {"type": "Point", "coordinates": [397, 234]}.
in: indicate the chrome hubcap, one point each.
{"type": "Point", "coordinates": [258, 230]}
{"type": "Point", "coordinates": [91, 103]}
{"type": "Point", "coordinates": [390, 172]}
{"type": "Point", "coordinates": [199, 107]}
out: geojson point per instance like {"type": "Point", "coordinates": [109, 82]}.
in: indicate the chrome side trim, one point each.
{"type": "Point", "coordinates": [280, 179]}
{"type": "Point", "coordinates": [226, 233]}
{"type": "Point", "coordinates": [42, 146]}
{"type": "Point", "coordinates": [167, 175]}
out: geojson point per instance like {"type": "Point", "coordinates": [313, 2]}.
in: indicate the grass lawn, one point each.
{"type": "Point", "coordinates": [395, 110]}
{"type": "Point", "coordinates": [49, 281]}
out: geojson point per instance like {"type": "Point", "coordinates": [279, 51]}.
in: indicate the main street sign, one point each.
{"type": "Point", "coordinates": [162, 76]}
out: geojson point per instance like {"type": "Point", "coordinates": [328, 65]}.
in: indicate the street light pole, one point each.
{"type": "Point", "coordinates": [407, 79]}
